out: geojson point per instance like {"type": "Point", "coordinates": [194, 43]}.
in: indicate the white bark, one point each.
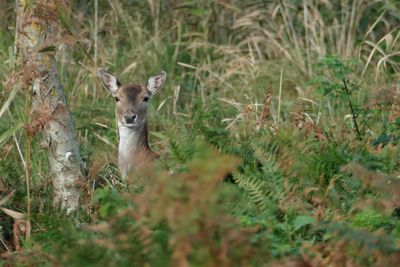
{"type": "Point", "coordinates": [49, 107]}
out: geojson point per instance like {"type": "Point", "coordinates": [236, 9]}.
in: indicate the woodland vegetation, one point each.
{"type": "Point", "coordinates": [278, 130]}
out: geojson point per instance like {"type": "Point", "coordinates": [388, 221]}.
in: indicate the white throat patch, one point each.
{"type": "Point", "coordinates": [128, 142]}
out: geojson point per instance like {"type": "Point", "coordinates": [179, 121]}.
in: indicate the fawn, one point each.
{"type": "Point", "coordinates": [131, 104]}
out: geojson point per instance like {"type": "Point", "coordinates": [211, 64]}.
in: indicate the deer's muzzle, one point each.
{"type": "Point", "coordinates": [130, 118]}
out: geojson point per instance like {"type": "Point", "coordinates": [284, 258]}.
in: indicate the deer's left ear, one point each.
{"type": "Point", "coordinates": [156, 82]}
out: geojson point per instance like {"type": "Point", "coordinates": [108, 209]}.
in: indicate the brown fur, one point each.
{"type": "Point", "coordinates": [131, 105]}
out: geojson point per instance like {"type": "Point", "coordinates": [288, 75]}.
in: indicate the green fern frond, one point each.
{"type": "Point", "coordinates": [253, 187]}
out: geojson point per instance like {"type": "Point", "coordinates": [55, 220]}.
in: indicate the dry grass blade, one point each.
{"type": "Point", "coordinates": [387, 59]}
{"type": "Point", "coordinates": [280, 96]}
{"type": "Point", "coordinates": [130, 68]}
{"type": "Point", "coordinates": [232, 102]}
{"type": "Point", "coordinates": [187, 65]}
{"type": "Point", "coordinates": [104, 140]}
{"type": "Point", "coordinates": [7, 198]}
{"type": "Point", "coordinates": [10, 98]}
{"type": "Point", "coordinates": [7, 134]}
{"type": "Point", "coordinates": [175, 99]}
{"type": "Point", "coordinates": [13, 214]}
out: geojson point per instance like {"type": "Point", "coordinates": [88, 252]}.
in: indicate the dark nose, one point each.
{"type": "Point", "coordinates": [130, 118]}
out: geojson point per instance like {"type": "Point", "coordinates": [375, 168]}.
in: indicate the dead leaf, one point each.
{"type": "Point", "coordinates": [13, 214]}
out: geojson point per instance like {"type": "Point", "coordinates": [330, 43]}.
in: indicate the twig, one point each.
{"type": "Point", "coordinates": [346, 89]}
{"type": "Point", "coordinates": [4, 244]}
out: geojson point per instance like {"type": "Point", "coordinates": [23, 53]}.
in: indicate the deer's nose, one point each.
{"type": "Point", "coordinates": [130, 118]}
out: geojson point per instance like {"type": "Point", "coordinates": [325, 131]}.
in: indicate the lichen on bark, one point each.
{"type": "Point", "coordinates": [37, 24]}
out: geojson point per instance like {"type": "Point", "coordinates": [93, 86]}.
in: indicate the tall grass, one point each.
{"type": "Point", "coordinates": [304, 32]}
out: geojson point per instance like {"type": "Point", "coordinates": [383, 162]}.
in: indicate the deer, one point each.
{"type": "Point", "coordinates": [131, 101]}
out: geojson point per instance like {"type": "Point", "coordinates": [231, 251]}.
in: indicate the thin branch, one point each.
{"type": "Point", "coordinates": [346, 89]}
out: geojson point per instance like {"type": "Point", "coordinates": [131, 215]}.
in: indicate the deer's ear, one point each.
{"type": "Point", "coordinates": [109, 81]}
{"type": "Point", "coordinates": [156, 82]}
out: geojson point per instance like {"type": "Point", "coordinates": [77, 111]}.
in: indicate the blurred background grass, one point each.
{"type": "Point", "coordinates": [292, 198]}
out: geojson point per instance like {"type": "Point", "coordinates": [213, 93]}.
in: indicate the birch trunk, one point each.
{"type": "Point", "coordinates": [37, 24]}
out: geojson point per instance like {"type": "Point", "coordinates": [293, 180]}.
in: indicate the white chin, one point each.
{"type": "Point", "coordinates": [130, 125]}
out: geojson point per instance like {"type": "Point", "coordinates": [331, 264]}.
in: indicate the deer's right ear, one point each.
{"type": "Point", "coordinates": [109, 81]}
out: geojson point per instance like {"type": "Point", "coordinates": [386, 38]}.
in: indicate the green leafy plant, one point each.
{"type": "Point", "coordinates": [337, 84]}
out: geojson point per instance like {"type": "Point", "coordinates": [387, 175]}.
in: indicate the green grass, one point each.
{"type": "Point", "coordinates": [226, 191]}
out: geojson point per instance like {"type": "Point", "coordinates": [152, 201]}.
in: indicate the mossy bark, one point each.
{"type": "Point", "coordinates": [37, 41]}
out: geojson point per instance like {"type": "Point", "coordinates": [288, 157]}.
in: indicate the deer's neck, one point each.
{"type": "Point", "coordinates": [133, 146]}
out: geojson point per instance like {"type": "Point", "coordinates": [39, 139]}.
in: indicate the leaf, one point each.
{"type": "Point", "coordinates": [302, 221]}
{"type": "Point", "coordinates": [13, 214]}
{"type": "Point", "coordinates": [10, 98]}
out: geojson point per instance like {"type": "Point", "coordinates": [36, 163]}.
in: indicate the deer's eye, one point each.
{"type": "Point", "coordinates": [146, 98]}
{"type": "Point", "coordinates": [116, 99]}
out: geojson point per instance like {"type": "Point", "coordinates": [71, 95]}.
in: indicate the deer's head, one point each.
{"type": "Point", "coordinates": [132, 99]}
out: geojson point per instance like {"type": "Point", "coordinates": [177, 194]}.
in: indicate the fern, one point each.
{"type": "Point", "coordinates": [253, 187]}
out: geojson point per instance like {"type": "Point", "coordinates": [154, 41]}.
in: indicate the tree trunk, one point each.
{"type": "Point", "coordinates": [37, 24]}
